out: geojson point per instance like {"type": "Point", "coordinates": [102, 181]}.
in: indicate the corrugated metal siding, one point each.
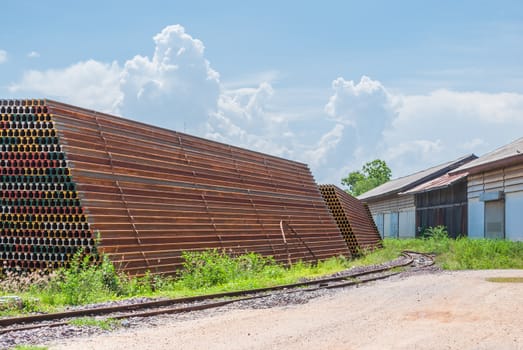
{"type": "Point", "coordinates": [446, 206]}
{"type": "Point", "coordinates": [475, 186]}
{"type": "Point", "coordinates": [391, 204]}
{"type": "Point", "coordinates": [407, 224]}
{"type": "Point", "coordinates": [493, 181]}
{"type": "Point", "coordinates": [514, 179]}
{"type": "Point", "coordinates": [152, 193]}
{"type": "Point", "coordinates": [510, 181]}
{"type": "Point", "coordinates": [398, 215]}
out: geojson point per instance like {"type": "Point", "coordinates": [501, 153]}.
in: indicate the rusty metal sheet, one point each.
{"type": "Point", "coordinates": [438, 183]}
{"type": "Point", "coordinates": [353, 218]}
{"type": "Point", "coordinates": [148, 194]}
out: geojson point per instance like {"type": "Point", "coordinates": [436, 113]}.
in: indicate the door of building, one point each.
{"type": "Point", "coordinates": [495, 219]}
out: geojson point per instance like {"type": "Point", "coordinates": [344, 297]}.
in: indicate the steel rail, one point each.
{"type": "Point", "coordinates": [322, 283]}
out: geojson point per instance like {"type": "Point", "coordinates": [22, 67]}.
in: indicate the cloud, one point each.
{"type": "Point", "coordinates": [89, 84]}
{"type": "Point", "coordinates": [244, 118]}
{"type": "Point", "coordinates": [33, 54]}
{"type": "Point", "coordinates": [176, 86]}
{"type": "Point", "coordinates": [414, 132]}
{"type": "Point", "coordinates": [328, 142]}
{"type": "Point", "coordinates": [3, 56]}
{"type": "Point", "coordinates": [334, 131]}
{"type": "Point", "coordinates": [447, 124]}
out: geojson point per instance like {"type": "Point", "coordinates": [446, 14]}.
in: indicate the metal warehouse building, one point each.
{"type": "Point", "coordinates": [495, 193]}
{"type": "Point", "coordinates": [401, 207]}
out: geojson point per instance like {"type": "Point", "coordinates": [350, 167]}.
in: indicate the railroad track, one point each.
{"type": "Point", "coordinates": [180, 305]}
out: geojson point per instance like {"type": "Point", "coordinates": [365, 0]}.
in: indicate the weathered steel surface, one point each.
{"type": "Point", "coordinates": [151, 193]}
{"type": "Point", "coordinates": [69, 175]}
{"type": "Point", "coordinates": [353, 218]}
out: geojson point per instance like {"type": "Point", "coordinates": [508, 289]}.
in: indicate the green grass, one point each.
{"type": "Point", "coordinates": [105, 324]}
{"type": "Point", "coordinates": [214, 271]}
{"type": "Point", "coordinates": [30, 347]}
{"type": "Point", "coordinates": [205, 272]}
{"type": "Point", "coordinates": [454, 254]}
{"type": "Point", "coordinates": [505, 279]}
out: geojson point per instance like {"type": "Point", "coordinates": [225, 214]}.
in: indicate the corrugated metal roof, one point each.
{"type": "Point", "coordinates": [438, 183]}
{"type": "Point", "coordinates": [407, 182]}
{"type": "Point", "coordinates": [505, 155]}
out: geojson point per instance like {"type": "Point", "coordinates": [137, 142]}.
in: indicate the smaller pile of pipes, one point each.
{"type": "Point", "coordinates": [353, 218]}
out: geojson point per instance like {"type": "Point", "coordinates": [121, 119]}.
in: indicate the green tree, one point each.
{"type": "Point", "coordinates": [371, 175]}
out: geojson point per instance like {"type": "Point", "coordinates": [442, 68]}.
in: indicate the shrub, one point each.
{"type": "Point", "coordinates": [212, 268]}
{"type": "Point", "coordinates": [84, 281]}
{"type": "Point", "coordinates": [437, 233]}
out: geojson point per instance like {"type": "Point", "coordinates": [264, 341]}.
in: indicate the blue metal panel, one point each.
{"type": "Point", "coordinates": [378, 220]}
{"type": "Point", "coordinates": [394, 225]}
{"type": "Point", "coordinates": [407, 224]}
{"type": "Point", "coordinates": [495, 219]}
{"type": "Point", "coordinates": [514, 216]}
{"type": "Point", "coordinates": [386, 225]}
{"type": "Point", "coordinates": [476, 218]}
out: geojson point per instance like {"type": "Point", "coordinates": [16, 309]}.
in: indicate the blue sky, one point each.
{"type": "Point", "coordinates": [331, 83]}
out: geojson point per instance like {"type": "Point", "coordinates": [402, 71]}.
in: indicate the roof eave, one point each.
{"type": "Point", "coordinates": [500, 163]}
{"type": "Point", "coordinates": [461, 179]}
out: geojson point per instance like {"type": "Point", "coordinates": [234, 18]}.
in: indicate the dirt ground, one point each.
{"type": "Point", "coordinates": [446, 310]}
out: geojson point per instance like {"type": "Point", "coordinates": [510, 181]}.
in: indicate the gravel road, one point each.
{"type": "Point", "coordinates": [441, 310]}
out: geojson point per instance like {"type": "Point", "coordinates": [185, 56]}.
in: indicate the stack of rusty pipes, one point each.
{"type": "Point", "coordinates": [353, 219]}
{"type": "Point", "coordinates": [42, 222]}
{"type": "Point", "coordinates": [147, 193]}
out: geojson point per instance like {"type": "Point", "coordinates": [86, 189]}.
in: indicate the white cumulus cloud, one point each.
{"type": "Point", "coordinates": [244, 118]}
{"type": "Point", "coordinates": [413, 132]}
{"type": "Point", "coordinates": [452, 123]}
{"type": "Point", "coordinates": [88, 84]}
{"type": "Point", "coordinates": [176, 87]}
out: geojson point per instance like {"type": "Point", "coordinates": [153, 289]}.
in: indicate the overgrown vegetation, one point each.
{"type": "Point", "coordinates": [212, 271]}
{"type": "Point", "coordinates": [215, 271]}
{"type": "Point", "coordinates": [454, 254]}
